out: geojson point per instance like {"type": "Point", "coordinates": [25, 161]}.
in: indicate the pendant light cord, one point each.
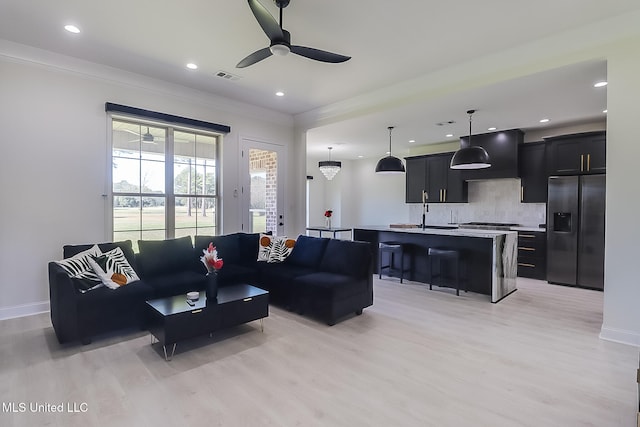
{"type": "Point", "coordinates": [390, 129]}
{"type": "Point", "coordinates": [470, 113]}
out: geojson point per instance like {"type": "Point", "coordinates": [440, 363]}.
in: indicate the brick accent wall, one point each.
{"type": "Point", "coordinates": [267, 161]}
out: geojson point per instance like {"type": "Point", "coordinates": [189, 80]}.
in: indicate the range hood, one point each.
{"type": "Point", "coordinates": [502, 148]}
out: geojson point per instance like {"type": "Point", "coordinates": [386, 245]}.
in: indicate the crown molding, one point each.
{"type": "Point", "coordinates": [24, 54]}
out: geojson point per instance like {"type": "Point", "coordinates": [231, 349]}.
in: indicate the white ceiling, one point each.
{"type": "Point", "coordinates": [389, 42]}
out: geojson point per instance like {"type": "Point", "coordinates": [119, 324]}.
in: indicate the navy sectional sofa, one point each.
{"type": "Point", "coordinates": [325, 278]}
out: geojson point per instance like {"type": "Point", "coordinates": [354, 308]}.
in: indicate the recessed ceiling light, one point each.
{"type": "Point", "coordinates": [605, 111]}
{"type": "Point", "coordinates": [544, 121]}
{"type": "Point", "coordinates": [449, 135]}
{"type": "Point", "coordinates": [492, 128]}
{"type": "Point", "coordinates": [600, 84]}
{"type": "Point", "coordinates": [192, 66]}
{"type": "Point", "coordinates": [72, 29]}
{"type": "Point", "coordinates": [412, 141]}
{"type": "Point", "coordinates": [361, 157]}
{"type": "Point", "coordinates": [279, 93]}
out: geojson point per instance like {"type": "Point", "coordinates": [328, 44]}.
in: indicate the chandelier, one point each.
{"type": "Point", "coordinates": [329, 168]}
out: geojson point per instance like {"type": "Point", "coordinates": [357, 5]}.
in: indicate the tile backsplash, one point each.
{"type": "Point", "coordinates": [496, 200]}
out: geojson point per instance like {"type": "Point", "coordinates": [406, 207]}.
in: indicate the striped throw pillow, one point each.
{"type": "Point", "coordinates": [78, 267]}
{"type": "Point", "coordinates": [113, 268]}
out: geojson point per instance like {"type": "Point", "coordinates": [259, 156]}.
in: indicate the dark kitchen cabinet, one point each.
{"type": "Point", "coordinates": [502, 148]}
{"type": "Point", "coordinates": [432, 174]}
{"type": "Point", "coordinates": [416, 172]}
{"type": "Point", "coordinates": [577, 154]}
{"type": "Point", "coordinates": [533, 172]}
{"type": "Point", "coordinates": [532, 254]}
{"type": "Point", "coordinates": [455, 187]}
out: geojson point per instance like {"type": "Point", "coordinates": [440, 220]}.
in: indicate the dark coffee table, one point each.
{"type": "Point", "coordinates": [172, 319]}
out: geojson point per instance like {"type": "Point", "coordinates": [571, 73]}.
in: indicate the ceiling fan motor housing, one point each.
{"type": "Point", "coordinates": [281, 3]}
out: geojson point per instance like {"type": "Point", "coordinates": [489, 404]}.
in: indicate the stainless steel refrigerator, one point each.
{"type": "Point", "coordinates": [575, 230]}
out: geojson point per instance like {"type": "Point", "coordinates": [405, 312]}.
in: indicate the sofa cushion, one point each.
{"type": "Point", "coordinates": [121, 299]}
{"type": "Point", "coordinates": [329, 286]}
{"type": "Point", "coordinates": [160, 257]}
{"type": "Point", "coordinates": [232, 274]}
{"type": "Point", "coordinates": [346, 257]}
{"type": "Point", "coordinates": [227, 245]}
{"type": "Point", "coordinates": [178, 283]}
{"type": "Point", "coordinates": [308, 251]}
{"type": "Point", "coordinates": [249, 243]}
{"type": "Point", "coordinates": [277, 276]}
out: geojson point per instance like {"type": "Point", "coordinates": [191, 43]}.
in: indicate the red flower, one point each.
{"type": "Point", "coordinates": [210, 258]}
{"type": "Point", "coordinates": [328, 213]}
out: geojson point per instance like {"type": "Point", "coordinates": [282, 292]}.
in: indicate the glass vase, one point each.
{"type": "Point", "coordinates": [327, 222]}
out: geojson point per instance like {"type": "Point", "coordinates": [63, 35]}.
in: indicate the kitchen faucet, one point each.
{"type": "Point", "coordinates": [425, 208]}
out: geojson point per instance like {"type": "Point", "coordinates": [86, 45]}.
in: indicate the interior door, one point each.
{"type": "Point", "coordinates": [262, 193]}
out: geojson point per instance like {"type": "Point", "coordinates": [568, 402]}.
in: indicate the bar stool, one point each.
{"type": "Point", "coordinates": [391, 248]}
{"type": "Point", "coordinates": [450, 255]}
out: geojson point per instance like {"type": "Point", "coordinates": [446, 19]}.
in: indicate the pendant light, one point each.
{"type": "Point", "coordinates": [470, 157]}
{"type": "Point", "coordinates": [390, 164]}
{"type": "Point", "coordinates": [329, 168]}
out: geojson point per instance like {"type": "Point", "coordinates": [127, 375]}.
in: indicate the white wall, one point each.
{"type": "Point", "coordinates": [622, 284]}
{"type": "Point", "coordinates": [54, 158]}
{"type": "Point", "coordinates": [357, 195]}
{"type": "Point", "coordinates": [377, 199]}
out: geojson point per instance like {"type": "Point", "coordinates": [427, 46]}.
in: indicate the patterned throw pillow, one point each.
{"type": "Point", "coordinates": [79, 267]}
{"type": "Point", "coordinates": [113, 269]}
{"type": "Point", "coordinates": [264, 247]}
{"type": "Point", "coordinates": [281, 249]}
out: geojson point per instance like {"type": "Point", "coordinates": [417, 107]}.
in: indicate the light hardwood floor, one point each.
{"type": "Point", "coordinates": [415, 358]}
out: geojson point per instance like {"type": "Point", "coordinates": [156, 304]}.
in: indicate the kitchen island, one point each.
{"type": "Point", "coordinates": [489, 257]}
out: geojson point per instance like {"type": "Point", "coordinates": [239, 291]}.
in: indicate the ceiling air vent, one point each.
{"type": "Point", "coordinates": [226, 75]}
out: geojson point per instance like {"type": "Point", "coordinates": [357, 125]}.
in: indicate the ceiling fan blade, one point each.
{"type": "Point", "coordinates": [256, 56]}
{"type": "Point", "coordinates": [268, 23]}
{"type": "Point", "coordinates": [319, 55]}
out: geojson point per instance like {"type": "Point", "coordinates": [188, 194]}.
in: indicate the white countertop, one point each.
{"type": "Point", "coordinates": [530, 228]}
{"type": "Point", "coordinates": [463, 232]}
{"type": "Point", "coordinates": [535, 228]}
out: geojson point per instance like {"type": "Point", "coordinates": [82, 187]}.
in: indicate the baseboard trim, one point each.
{"type": "Point", "coordinates": [620, 336]}
{"type": "Point", "coordinates": [24, 310]}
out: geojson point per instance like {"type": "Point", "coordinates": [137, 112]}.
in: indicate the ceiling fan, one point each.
{"type": "Point", "coordinates": [281, 39]}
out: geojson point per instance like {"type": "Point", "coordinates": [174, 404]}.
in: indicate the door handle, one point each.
{"type": "Point", "coordinates": [588, 162]}
{"type": "Point", "coordinates": [522, 193]}
{"type": "Point", "coordinates": [581, 162]}
{"type": "Point", "coordinates": [445, 195]}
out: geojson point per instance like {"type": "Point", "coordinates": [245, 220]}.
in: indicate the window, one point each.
{"type": "Point", "coordinates": [194, 183]}
{"type": "Point", "coordinates": [147, 205]}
